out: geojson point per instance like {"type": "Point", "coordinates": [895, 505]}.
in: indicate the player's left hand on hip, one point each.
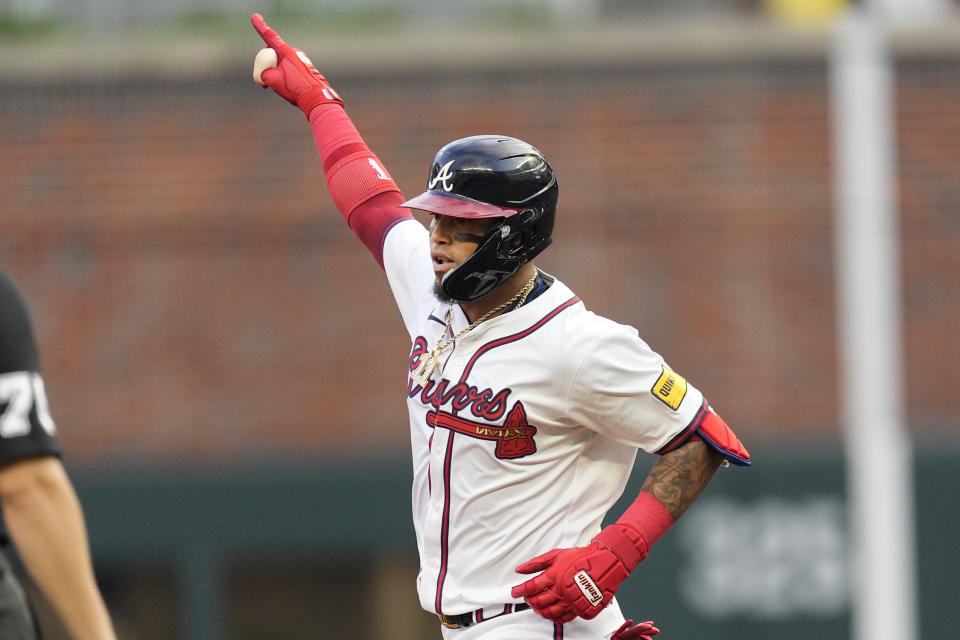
{"type": "Point", "coordinates": [642, 631]}
{"type": "Point", "coordinates": [288, 71]}
{"type": "Point", "coordinates": [574, 582]}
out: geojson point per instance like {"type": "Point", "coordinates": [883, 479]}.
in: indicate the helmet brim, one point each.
{"type": "Point", "coordinates": [448, 205]}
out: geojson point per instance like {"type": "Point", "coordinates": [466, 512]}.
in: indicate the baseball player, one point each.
{"type": "Point", "coordinates": [41, 510]}
{"type": "Point", "coordinates": [526, 409]}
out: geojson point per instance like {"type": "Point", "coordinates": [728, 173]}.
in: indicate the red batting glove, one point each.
{"type": "Point", "coordinates": [643, 631]}
{"type": "Point", "coordinates": [582, 581]}
{"type": "Point", "coordinates": [575, 582]}
{"type": "Point", "coordinates": [289, 72]}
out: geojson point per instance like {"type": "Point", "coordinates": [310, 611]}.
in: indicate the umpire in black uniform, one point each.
{"type": "Point", "coordinates": [42, 514]}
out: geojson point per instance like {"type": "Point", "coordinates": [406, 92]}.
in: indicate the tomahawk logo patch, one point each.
{"type": "Point", "coordinates": [670, 388]}
{"type": "Point", "coordinates": [514, 439]}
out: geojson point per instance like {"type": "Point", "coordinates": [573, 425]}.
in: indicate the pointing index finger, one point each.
{"type": "Point", "coordinates": [269, 36]}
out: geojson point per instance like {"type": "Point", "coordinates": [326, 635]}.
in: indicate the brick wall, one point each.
{"type": "Point", "coordinates": [197, 295]}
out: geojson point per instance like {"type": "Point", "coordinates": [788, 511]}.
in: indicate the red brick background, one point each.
{"type": "Point", "coordinates": [197, 295]}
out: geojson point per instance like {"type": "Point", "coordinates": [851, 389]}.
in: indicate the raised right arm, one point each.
{"type": "Point", "coordinates": [359, 184]}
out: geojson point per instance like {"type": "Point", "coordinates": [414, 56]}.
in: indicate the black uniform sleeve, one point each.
{"type": "Point", "coordinates": [26, 428]}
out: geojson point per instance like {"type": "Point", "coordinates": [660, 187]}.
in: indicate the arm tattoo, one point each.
{"type": "Point", "coordinates": [677, 479]}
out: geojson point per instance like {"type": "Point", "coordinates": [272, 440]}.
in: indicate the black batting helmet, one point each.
{"type": "Point", "coordinates": [492, 176]}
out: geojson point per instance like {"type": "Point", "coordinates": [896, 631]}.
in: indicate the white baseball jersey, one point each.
{"type": "Point", "coordinates": [526, 433]}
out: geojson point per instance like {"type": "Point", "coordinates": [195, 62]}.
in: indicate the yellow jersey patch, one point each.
{"type": "Point", "coordinates": [670, 388]}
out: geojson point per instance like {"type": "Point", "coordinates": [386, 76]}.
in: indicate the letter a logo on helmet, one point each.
{"type": "Point", "coordinates": [442, 178]}
{"type": "Point", "coordinates": [492, 176]}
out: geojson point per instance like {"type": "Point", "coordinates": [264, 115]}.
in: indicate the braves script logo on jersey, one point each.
{"type": "Point", "coordinates": [442, 178]}
{"type": "Point", "coordinates": [514, 438]}
{"type": "Point", "coordinates": [483, 403]}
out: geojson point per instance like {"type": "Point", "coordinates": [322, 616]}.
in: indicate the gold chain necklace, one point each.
{"type": "Point", "coordinates": [422, 374]}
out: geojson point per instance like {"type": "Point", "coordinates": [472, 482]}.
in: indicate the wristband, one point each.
{"type": "Point", "coordinates": [642, 524]}
{"type": "Point", "coordinates": [317, 96]}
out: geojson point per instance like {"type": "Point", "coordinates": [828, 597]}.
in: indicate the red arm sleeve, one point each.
{"type": "Point", "coordinates": [360, 186]}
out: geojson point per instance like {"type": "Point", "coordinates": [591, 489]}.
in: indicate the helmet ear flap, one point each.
{"type": "Point", "coordinates": [530, 233]}
{"type": "Point", "coordinates": [514, 233]}
{"type": "Point", "coordinates": [507, 247]}
{"type": "Point", "coordinates": [484, 270]}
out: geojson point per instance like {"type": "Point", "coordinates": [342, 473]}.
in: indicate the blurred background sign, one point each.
{"type": "Point", "coordinates": [226, 367]}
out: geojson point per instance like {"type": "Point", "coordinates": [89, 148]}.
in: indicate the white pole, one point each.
{"type": "Point", "coordinates": [912, 11]}
{"type": "Point", "coordinates": [878, 447]}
